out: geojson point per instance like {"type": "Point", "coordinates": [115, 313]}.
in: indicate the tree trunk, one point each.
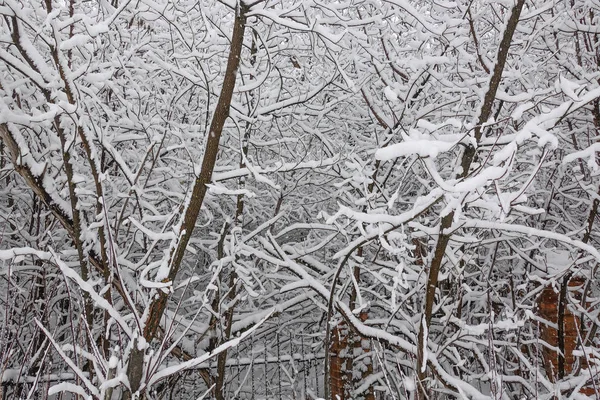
{"type": "Point", "coordinates": [446, 223]}
{"type": "Point", "coordinates": [157, 307]}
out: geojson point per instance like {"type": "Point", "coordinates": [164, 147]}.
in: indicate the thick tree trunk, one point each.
{"type": "Point", "coordinates": [553, 307]}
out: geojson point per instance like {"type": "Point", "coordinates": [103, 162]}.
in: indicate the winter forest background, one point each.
{"type": "Point", "coordinates": [361, 199]}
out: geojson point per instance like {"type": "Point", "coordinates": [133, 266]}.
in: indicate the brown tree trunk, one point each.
{"type": "Point", "coordinates": [157, 307]}
{"type": "Point", "coordinates": [446, 223]}
{"type": "Point", "coordinates": [552, 307]}
{"type": "Point", "coordinates": [339, 348]}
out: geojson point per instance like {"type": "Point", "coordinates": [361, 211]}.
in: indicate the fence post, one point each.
{"type": "Point", "coordinates": [252, 365]}
{"type": "Point", "coordinates": [303, 362]}
{"type": "Point", "coordinates": [278, 366]}
{"type": "Point", "coordinates": [316, 369]}
{"type": "Point", "coordinates": [266, 367]}
{"type": "Point", "coordinates": [239, 369]}
{"type": "Point", "coordinates": [292, 365]}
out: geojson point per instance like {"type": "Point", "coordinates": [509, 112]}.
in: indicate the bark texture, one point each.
{"type": "Point", "coordinates": [446, 223]}
{"type": "Point", "coordinates": [221, 113]}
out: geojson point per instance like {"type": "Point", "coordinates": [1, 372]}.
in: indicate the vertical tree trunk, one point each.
{"type": "Point", "coordinates": [339, 377]}
{"type": "Point", "coordinates": [446, 223]}
{"type": "Point", "coordinates": [553, 307]}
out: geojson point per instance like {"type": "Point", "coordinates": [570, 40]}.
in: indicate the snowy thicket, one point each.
{"type": "Point", "coordinates": [178, 177]}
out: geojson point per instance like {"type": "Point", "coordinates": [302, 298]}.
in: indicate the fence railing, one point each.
{"type": "Point", "coordinates": [282, 367]}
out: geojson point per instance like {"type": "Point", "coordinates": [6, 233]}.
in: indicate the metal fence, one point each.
{"type": "Point", "coordinates": [280, 367]}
